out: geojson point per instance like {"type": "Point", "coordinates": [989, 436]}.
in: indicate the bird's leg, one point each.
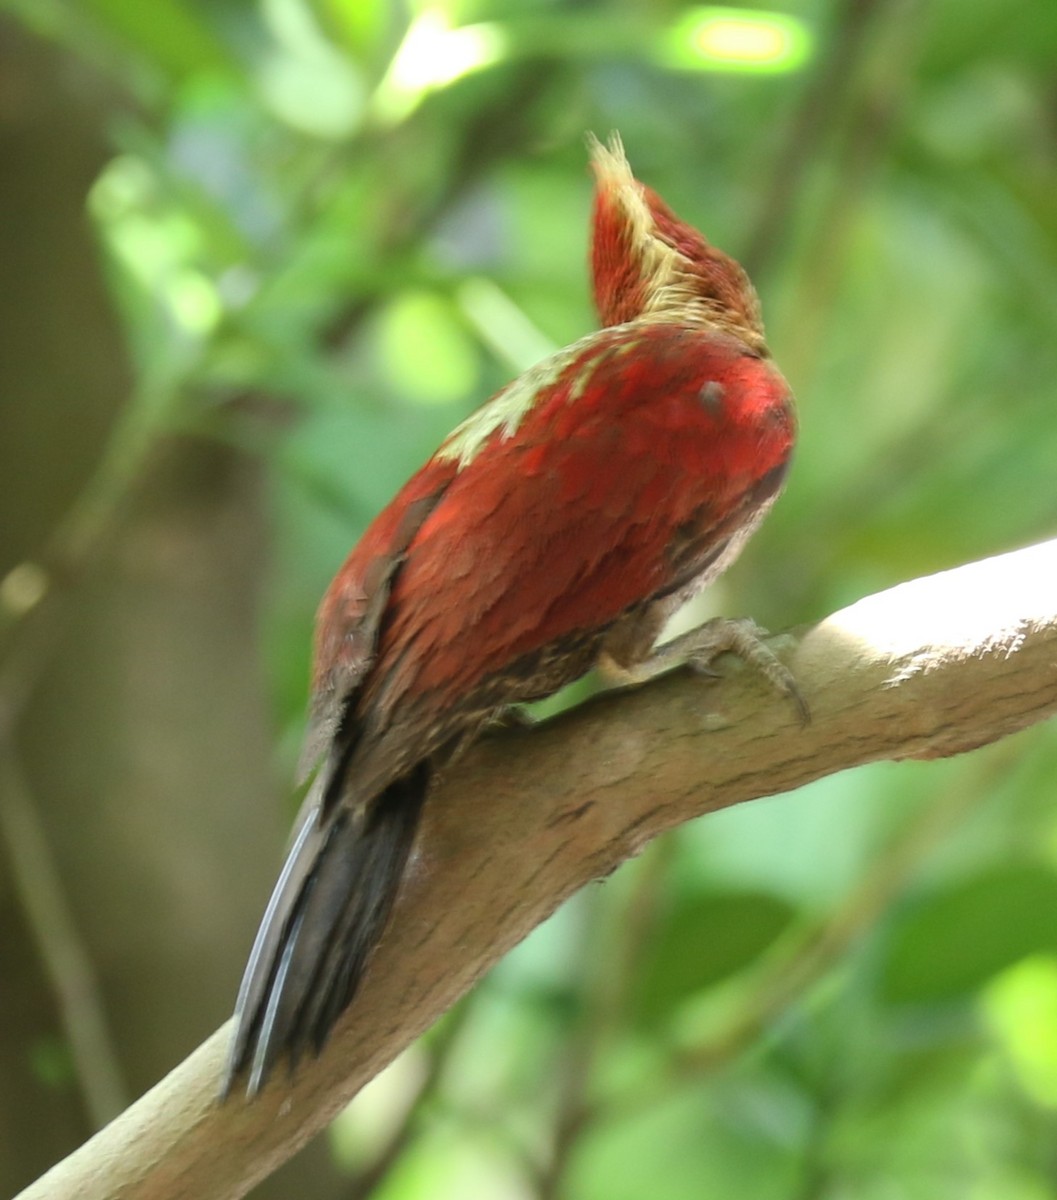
{"type": "Point", "coordinates": [513, 716]}
{"type": "Point", "coordinates": [698, 649]}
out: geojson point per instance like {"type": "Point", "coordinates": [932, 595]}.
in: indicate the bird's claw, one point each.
{"type": "Point", "coordinates": [742, 637]}
{"type": "Point", "coordinates": [699, 649]}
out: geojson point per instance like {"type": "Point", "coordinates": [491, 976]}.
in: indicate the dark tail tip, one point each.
{"type": "Point", "coordinates": [327, 913]}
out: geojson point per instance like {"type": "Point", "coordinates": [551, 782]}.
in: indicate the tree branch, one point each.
{"type": "Point", "coordinates": [927, 669]}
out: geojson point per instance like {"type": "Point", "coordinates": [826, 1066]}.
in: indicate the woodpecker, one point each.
{"type": "Point", "coordinates": [555, 530]}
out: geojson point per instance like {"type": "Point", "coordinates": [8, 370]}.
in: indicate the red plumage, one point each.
{"type": "Point", "coordinates": [559, 526]}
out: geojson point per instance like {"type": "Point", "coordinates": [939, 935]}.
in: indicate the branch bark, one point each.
{"type": "Point", "coordinates": [927, 669]}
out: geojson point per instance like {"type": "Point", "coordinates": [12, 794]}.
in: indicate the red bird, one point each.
{"type": "Point", "coordinates": [555, 530]}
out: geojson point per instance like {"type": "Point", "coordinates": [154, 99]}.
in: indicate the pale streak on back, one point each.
{"type": "Point", "coordinates": [508, 408]}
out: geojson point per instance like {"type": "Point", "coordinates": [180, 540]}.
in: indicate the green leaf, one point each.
{"type": "Point", "coordinates": [958, 939]}
{"type": "Point", "coordinates": [168, 32]}
{"type": "Point", "coordinates": [425, 350]}
{"type": "Point", "coordinates": [706, 938]}
{"type": "Point", "coordinates": [698, 1143]}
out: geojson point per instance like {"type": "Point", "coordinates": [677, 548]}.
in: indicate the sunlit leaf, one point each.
{"type": "Point", "coordinates": [737, 39]}
{"type": "Point", "coordinates": [425, 350]}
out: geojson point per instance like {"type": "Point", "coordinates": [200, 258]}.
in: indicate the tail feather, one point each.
{"type": "Point", "coordinates": [326, 914]}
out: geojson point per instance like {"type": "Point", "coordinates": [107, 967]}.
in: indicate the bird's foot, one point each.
{"type": "Point", "coordinates": [699, 649]}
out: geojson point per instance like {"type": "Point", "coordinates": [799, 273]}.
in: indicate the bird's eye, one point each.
{"type": "Point", "coordinates": [711, 396]}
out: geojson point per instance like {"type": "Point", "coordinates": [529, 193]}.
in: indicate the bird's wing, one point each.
{"type": "Point", "coordinates": [351, 613]}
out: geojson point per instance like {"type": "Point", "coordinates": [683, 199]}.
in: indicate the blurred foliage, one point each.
{"type": "Point", "coordinates": [332, 227]}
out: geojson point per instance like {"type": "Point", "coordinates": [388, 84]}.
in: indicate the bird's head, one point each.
{"type": "Point", "coordinates": [648, 264]}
